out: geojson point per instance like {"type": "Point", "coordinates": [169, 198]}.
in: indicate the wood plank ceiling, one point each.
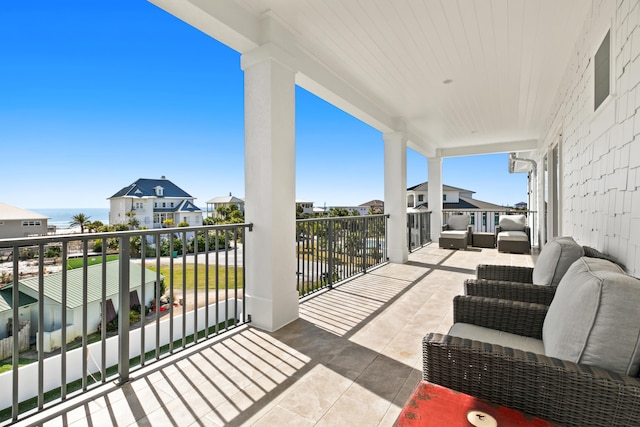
{"type": "Point", "coordinates": [460, 74]}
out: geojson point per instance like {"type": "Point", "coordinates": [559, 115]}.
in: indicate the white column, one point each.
{"type": "Point", "coordinates": [270, 264]}
{"type": "Point", "coordinates": [434, 197]}
{"type": "Point", "coordinates": [395, 195]}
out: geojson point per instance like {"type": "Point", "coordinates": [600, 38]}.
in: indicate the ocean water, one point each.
{"type": "Point", "coordinates": [62, 217]}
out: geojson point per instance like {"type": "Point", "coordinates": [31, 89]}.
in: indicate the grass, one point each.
{"type": "Point", "coordinates": [6, 365]}
{"type": "Point", "coordinates": [79, 262]}
{"type": "Point", "coordinates": [186, 273]}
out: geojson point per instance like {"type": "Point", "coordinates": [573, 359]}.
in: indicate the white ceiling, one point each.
{"type": "Point", "coordinates": [387, 61]}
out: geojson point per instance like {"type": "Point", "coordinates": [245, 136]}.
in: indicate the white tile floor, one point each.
{"type": "Point", "coordinates": [352, 358]}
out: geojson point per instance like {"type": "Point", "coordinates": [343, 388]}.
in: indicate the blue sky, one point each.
{"type": "Point", "coordinates": [96, 95]}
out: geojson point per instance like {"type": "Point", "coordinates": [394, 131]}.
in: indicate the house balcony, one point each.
{"type": "Point", "coordinates": [351, 358]}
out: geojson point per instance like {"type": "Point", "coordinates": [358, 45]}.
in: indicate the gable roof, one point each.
{"type": "Point", "coordinates": [467, 203]}
{"type": "Point", "coordinates": [145, 187]}
{"type": "Point", "coordinates": [225, 199]}
{"type": "Point", "coordinates": [53, 282]}
{"type": "Point", "coordinates": [425, 187]}
{"type": "Point", "coordinates": [374, 204]}
{"type": "Point", "coordinates": [9, 212]}
{"type": "Point", "coordinates": [6, 299]}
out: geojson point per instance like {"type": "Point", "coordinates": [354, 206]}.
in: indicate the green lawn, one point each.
{"type": "Point", "coordinates": [78, 262]}
{"type": "Point", "coordinates": [179, 274]}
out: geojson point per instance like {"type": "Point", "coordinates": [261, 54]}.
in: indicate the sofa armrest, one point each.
{"type": "Point", "coordinates": [555, 390]}
{"type": "Point", "coordinates": [516, 291]}
{"type": "Point", "coordinates": [504, 272]}
{"type": "Point", "coordinates": [515, 317]}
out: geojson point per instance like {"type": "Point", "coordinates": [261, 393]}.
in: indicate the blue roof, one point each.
{"type": "Point", "coordinates": [145, 187]}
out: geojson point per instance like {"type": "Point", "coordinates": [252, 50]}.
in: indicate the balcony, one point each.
{"type": "Point", "coordinates": [353, 356]}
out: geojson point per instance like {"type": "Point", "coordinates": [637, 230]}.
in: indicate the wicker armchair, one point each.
{"type": "Point", "coordinates": [556, 390]}
{"type": "Point", "coordinates": [535, 285]}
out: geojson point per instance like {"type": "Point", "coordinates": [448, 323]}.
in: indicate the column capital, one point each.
{"type": "Point", "coordinates": [399, 136]}
{"type": "Point", "coordinates": [269, 52]}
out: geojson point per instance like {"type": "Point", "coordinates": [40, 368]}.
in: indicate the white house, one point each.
{"type": "Point", "coordinates": [216, 202]}
{"type": "Point", "coordinates": [52, 295]}
{"type": "Point", "coordinates": [153, 201]}
{"type": "Point", "coordinates": [484, 215]}
{"type": "Point", "coordinates": [18, 222]}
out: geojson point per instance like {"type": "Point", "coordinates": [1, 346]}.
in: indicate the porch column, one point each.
{"type": "Point", "coordinates": [434, 196]}
{"type": "Point", "coordinates": [270, 264]}
{"type": "Point", "coordinates": [395, 195]}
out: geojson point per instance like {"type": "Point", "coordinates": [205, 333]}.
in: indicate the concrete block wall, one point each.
{"type": "Point", "coordinates": [600, 151]}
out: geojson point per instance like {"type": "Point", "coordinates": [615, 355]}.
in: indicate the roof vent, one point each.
{"type": "Point", "coordinates": [163, 177]}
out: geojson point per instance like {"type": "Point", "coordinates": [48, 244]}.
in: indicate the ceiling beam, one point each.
{"type": "Point", "coordinates": [498, 147]}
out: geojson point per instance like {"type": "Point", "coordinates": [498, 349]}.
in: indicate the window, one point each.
{"type": "Point", "coordinates": [155, 205]}
{"type": "Point", "coordinates": [139, 205]}
{"type": "Point", "coordinates": [171, 204]}
{"type": "Point", "coordinates": [602, 72]}
{"type": "Point", "coordinates": [421, 197]}
{"type": "Point", "coordinates": [30, 223]}
{"type": "Point", "coordinates": [444, 197]}
{"type": "Point", "coordinates": [159, 191]}
{"type": "Point", "coordinates": [164, 204]}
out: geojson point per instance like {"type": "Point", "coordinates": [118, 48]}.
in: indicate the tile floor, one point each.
{"type": "Point", "coordinates": [352, 358]}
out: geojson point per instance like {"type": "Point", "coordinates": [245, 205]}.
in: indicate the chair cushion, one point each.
{"type": "Point", "coordinates": [513, 236]}
{"type": "Point", "coordinates": [454, 234]}
{"type": "Point", "coordinates": [512, 222]}
{"type": "Point", "coordinates": [594, 317]}
{"type": "Point", "coordinates": [493, 336]}
{"type": "Point", "coordinates": [555, 259]}
{"type": "Point", "coordinates": [458, 222]}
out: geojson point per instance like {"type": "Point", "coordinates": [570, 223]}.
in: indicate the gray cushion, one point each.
{"type": "Point", "coordinates": [594, 317]}
{"type": "Point", "coordinates": [513, 236]}
{"type": "Point", "coordinates": [454, 234]}
{"type": "Point", "coordinates": [493, 336]}
{"type": "Point", "coordinates": [512, 222]}
{"type": "Point", "coordinates": [555, 259]}
{"type": "Point", "coordinates": [458, 222]}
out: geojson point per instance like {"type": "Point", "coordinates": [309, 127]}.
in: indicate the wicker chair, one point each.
{"type": "Point", "coordinates": [591, 390]}
{"type": "Point", "coordinates": [536, 285]}
{"type": "Point", "coordinates": [513, 235]}
{"type": "Point", "coordinates": [457, 233]}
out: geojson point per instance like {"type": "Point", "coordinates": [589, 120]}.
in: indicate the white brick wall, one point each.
{"type": "Point", "coordinates": [601, 151]}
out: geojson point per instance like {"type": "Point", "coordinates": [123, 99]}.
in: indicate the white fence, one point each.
{"type": "Point", "coordinates": [28, 375]}
{"type": "Point", "coordinates": [6, 344]}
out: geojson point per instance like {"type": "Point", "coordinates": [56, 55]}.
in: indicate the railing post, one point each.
{"type": "Point", "coordinates": [331, 248]}
{"type": "Point", "coordinates": [365, 248]}
{"type": "Point", "coordinates": [123, 312]}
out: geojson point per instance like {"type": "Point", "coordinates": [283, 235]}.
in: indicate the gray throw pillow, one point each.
{"type": "Point", "coordinates": [594, 317]}
{"type": "Point", "coordinates": [554, 260]}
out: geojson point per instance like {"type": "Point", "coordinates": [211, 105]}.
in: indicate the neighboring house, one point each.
{"type": "Point", "coordinates": [18, 222]}
{"type": "Point", "coordinates": [484, 215]}
{"type": "Point", "coordinates": [361, 210]}
{"type": "Point", "coordinates": [375, 206]}
{"type": "Point", "coordinates": [52, 303]}
{"type": "Point", "coordinates": [153, 201]}
{"type": "Point", "coordinates": [307, 206]}
{"type": "Point", "coordinates": [216, 202]}
{"type": "Point", "coordinates": [25, 302]}
{"type": "Point", "coordinates": [521, 205]}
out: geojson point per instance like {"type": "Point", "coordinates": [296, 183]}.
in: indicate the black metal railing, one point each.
{"type": "Point", "coordinates": [101, 305]}
{"type": "Point", "coordinates": [330, 250]}
{"type": "Point", "coordinates": [418, 229]}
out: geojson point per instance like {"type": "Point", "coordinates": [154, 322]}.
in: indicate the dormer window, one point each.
{"type": "Point", "coordinates": [159, 191]}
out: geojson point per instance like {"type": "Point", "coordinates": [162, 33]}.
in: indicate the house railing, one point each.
{"type": "Point", "coordinates": [418, 229]}
{"type": "Point", "coordinates": [330, 250]}
{"type": "Point", "coordinates": [174, 287]}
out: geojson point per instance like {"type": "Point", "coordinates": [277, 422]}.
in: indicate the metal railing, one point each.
{"type": "Point", "coordinates": [158, 292]}
{"type": "Point", "coordinates": [330, 250]}
{"type": "Point", "coordinates": [418, 229]}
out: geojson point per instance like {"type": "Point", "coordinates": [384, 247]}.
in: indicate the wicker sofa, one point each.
{"type": "Point", "coordinates": [574, 362]}
{"type": "Point", "coordinates": [537, 284]}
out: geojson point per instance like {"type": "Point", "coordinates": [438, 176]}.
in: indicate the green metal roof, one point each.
{"type": "Point", "coordinates": [53, 282]}
{"type": "Point", "coordinates": [6, 299]}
